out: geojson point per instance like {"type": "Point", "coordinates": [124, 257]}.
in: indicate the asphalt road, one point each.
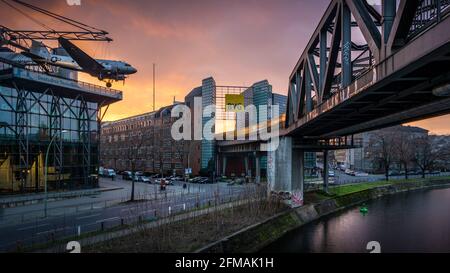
{"type": "Point", "coordinates": [15, 233]}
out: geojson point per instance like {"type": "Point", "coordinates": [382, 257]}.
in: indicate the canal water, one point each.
{"type": "Point", "coordinates": [407, 222]}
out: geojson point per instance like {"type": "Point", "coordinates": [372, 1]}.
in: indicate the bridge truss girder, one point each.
{"type": "Point", "coordinates": [329, 65]}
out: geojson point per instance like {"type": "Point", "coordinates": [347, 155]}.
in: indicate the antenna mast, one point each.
{"type": "Point", "coordinates": [154, 87]}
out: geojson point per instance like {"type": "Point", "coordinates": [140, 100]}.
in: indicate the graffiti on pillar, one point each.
{"type": "Point", "coordinates": [270, 169]}
{"type": "Point", "coordinates": [297, 199]}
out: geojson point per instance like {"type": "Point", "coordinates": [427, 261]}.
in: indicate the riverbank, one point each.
{"type": "Point", "coordinates": [245, 226]}
{"type": "Point", "coordinates": [318, 205]}
{"type": "Point", "coordinates": [187, 234]}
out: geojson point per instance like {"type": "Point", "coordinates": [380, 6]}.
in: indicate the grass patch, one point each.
{"type": "Point", "coordinates": [341, 190]}
{"type": "Point", "coordinates": [348, 189]}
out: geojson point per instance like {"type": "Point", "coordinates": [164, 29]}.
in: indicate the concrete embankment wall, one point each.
{"type": "Point", "coordinates": [256, 237]}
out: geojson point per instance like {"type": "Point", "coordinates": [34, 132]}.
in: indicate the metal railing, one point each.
{"type": "Point", "coordinates": [428, 13]}
{"type": "Point", "coordinates": [130, 215]}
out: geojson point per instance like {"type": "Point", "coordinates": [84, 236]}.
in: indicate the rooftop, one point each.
{"type": "Point", "coordinates": [41, 82]}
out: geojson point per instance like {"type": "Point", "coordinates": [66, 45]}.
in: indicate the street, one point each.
{"type": "Point", "coordinates": [25, 225]}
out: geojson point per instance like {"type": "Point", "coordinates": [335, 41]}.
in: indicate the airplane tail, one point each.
{"type": "Point", "coordinates": [39, 49]}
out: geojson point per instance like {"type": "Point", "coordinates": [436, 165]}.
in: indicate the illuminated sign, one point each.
{"type": "Point", "coordinates": [234, 103]}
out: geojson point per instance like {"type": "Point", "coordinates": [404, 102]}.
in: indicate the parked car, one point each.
{"type": "Point", "coordinates": [176, 178]}
{"type": "Point", "coordinates": [415, 172]}
{"type": "Point", "coordinates": [394, 173]}
{"type": "Point", "coordinates": [204, 180]}
{"type": "Point", "coordinates": [361, 174]}
{"type": "Point", "coordinates": [195, 179]}
{"type": "Point", "coordinates": [109, 173]}
{"type": "Point", "coordinates": [144, 179]}
{"type": "Point", "coordinates": [127, 175]}
{"type": "Point", "coordinates": [350, 172]}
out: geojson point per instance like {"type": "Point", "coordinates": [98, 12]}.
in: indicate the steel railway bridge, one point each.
{"type": "Point", "coordinates": [365, 67]}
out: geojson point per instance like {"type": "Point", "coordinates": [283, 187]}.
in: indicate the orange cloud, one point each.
{"type": "Point", "coordinates": [237, 42]}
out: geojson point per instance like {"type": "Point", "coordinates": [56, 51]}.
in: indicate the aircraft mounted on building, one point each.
{"type": "Point", "coordinates": [34, 52]}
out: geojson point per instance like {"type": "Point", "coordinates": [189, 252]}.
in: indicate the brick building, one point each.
{"type": "Point", "coordinates": [144, 143]}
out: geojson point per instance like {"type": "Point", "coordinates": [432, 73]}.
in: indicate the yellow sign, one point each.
{"type": "Point", "coordinates": [234, 103]}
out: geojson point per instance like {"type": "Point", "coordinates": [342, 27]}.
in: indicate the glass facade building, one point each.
{"type": "Point", "coordinates": [208, 98]}
{"type": "Point", "coordinates": [40, 120]}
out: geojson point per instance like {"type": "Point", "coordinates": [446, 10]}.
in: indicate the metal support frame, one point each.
{"type": "Point", "coordinates": [366, 24]}
{"type": "Point", "coordinates": [398, 25]}
{"type": "Point", "coordinates": [346, 56]}
{"type": "Point", "coordinates": [389, 11]}
{"type": "Point", "coordinates": [332, 59]}
{"type": "Point", "coordinates": [21, 123]}
{"type": "Point", "coordinates": [84, 135]}
{"type": "Point", "coordinates": [57, 145]}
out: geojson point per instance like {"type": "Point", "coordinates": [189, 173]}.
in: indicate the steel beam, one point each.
{"type": "Point", "coordinates": [300, 91]}
{"type": "Point", "coordinates": [313, 73]}
{"type": "Point", "coordinates": [366, 25]}
{"type": "Point", "coordinates": [294, 101]}
{"type": "Point", "coordinates": [307, 89]}
{"type": "Point", "coordinates": [402, 24]}
{"type": "Point", "coordinates": [57, 145]}
{"type": "Point", "coordinates": [346, 54]}
{"type": "Point", "coordinates": [336, 40]}
{"type": "Point", "coordinates": [389, 11]}
{"type": "Point", "coordinates": [84, 136]}
{"type": "Point", "coordinates": [323, 63]}
{"type": "Point", "coordinates": [22, 137]}
{"type": "Point", "coordinates": [326, 20]}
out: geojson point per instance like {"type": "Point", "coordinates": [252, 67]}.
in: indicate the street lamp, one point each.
{"type": "Point", "coordinates": [46, 171]}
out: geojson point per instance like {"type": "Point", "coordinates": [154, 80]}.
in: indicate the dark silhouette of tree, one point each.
{"type": "Point", "coordinates": [425, 156]}
{"type": "Point", "coordinates": [382, 147]}
{"type": "Point", "coordinates": [135, 143]}
{"type": "Point", "coordinates": [404, 150]}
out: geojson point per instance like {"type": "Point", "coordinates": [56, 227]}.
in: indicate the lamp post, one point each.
{"type": "Point", "coordinates": [46, 171]}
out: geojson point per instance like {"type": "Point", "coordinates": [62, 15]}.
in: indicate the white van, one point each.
{"type": "Point", "coordinates": [109, 173]}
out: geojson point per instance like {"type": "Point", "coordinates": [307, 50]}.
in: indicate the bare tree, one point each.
{"type": "Point", "coordinates": [404, 150]}
{"type": "Point", "coordinates": [183, 150]}
{"type": "Point", "coordinates": [425, 156]}
{"type": "Point", "coordinates": [382, 146]}
{"type": "Point", "coordinates": [134, 146]}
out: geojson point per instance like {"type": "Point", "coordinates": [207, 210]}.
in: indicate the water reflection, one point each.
{"type": "Point", "coordinates": [409, 222]}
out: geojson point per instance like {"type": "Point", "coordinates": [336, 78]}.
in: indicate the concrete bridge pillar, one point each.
{"type": "Point", "coordinates": [246, 165]}
{"type": "Point", "coordinates": [257, 169]}
{"type": "Point", "coordinates": [224, 165]}
{"type": "Point", "coordinates": [285, 171]}
{"type": "Point", "coordinates": [325, 171]}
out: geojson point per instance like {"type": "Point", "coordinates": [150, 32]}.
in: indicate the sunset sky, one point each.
{"type": "Point", "coordinates": [238, 42]}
